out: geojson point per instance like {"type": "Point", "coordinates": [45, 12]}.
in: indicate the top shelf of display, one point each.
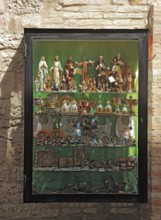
{"type": "Point", "coordinates": [85, 76]}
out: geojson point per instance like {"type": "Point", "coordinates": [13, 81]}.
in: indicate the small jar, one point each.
{"type": "Point", "coordinates": [64, 107]}
{"type": "Point", "coordinates": [99, 107]}
{"type": "Point", "coordinates": [74, 107]}
{"type": "Point", "coordinates": [108, 108]}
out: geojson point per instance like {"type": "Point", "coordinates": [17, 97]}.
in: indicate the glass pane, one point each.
{"type": "Point", "coordinates": [85, 116]}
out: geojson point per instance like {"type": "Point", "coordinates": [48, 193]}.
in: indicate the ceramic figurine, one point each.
{"type": "Point", "coordinates": [117, 110]}
{"type": "Point", "coordinates": [100, 67]}
{"type": "Point", "coordinates": [64, 107]}
{"type": "Point", "coordinates": [99, 107]}
{"type": "Point", "coordinates": [120, 83]}
{"type": "Point", "coordinates": [73, 106]}
{"type": "Point", "coordinates": [84, 64]}
{"type": "Point", "coordinates": [43, 68]}
{"type": "Point", "coordinates": [108, 107]}
{"type": "Point", "coordinates": [84, 112]}
{"type": "Point", "coordinates": [117, 62]}
{"type": "Point", "coordinates": [78, 132]}
{"type": "Point", "coordinates": [106, 87]}
{"type": "Point", "coordinates": [69, 71]}
{"type": "Point", "coordinates": [92, 85]}
{"type": "Point", "coordinates": [124, 109]}
{"type": "Point", "coordinates": [91, 112]}
{"type": "Point", "coordinates": [99, 86]}
{"type": "Point", "coordinates": [83, 86]}
{"type": "Point", "coordinates": [41, 84]}
{"type": "Point", "coordinates": [37, 84]}
{"type": "Point", "coordinates": [63, 85]}
{"type": "Point", "coordinates": [56, 71]}
{"type": "Point", "coordinates": [129, 83]}
{"type": "Point", "coordinates": [47, 88]}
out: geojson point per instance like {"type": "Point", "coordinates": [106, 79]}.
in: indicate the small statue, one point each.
{"type": "Point", "coordinates": [37, 84]}
{"type": "Point", "coordinates": [56, 71]}
{"type": "Point", "coordinates": [78, 132]}
{"type": "Point", "coordinates": [63, 85]}
{"type": "Point", "coordinates": [84, 64]}
{"type": "Point", "coordinates": [83, 86]}
{"type": "Point", "coordinates": [47, 84]}
{"type": "Point", "coordinates": [129, 83]}
{"type": "Point", "coordinates": [65, 107]}
{"type": "Point", "coordinates": [43, 68]}
{"type": "Point", "coordinates": [117, 110]}
{"type": "Point", "coordinates": [69, 71]}
{"type": "Point", "coordinates": [108, 107]}
{"type": "Point", "coordinates": [99, 107]}
{"type": "Point", "coordinates": [120, 83]}
{"type": "Point", "coordinates": [73, 106]}
{"type": "Point", "coordinates": [124, 109]}
{"type": "Point", "coordinates": [100, 67]}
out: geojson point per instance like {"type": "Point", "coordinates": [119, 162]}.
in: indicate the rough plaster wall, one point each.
{"type": "Point", "coordinates": [15, 15]}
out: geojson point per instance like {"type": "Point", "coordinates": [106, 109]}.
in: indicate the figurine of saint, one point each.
{"type": "Point", "coordinates": [56, 71]}
{"type": "Point", "coordinates": [100, 65]}
{"type": "Point", "coordinates": [69, 71]}
{"type": "Point", "coordinates": [37, 84]}
{"type": "Point", "coordinates": [84, 64]}
{"type": "Point", "coordinates": [43, 68]}
{"type": "Point", "coordinates": [129, 83]}
{"type": "Point", "coordinates": [48, 88]}
{"type": "Point", "coordinates": [118, 65]}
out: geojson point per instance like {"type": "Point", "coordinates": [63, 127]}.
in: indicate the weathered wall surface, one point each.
{"type": "Point", "coordinates": [15, 15]}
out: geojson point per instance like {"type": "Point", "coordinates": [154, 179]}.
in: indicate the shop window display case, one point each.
{"type": "Point", "coordinates": [85, 115]}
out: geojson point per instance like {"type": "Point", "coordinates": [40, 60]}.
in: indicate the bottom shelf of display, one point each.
{"type": "Point", "coordinates": [78, 169]}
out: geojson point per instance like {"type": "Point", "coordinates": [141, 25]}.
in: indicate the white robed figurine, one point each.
{"type": "Point", "coordinates": [56, 71]}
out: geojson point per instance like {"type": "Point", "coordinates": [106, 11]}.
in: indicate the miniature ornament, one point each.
{"type": "Point", "coordinates": [99, 107]}
{"type": "Point", "coordinates": [129, 83]}
{"type": "Point", "coordinates": [91, 111]}
{"type": "Point", "coordinates": [108, 107]}
{"type": "Point", "coordinates": [124, 109]}
{"type": "Point", "coordinates": [117, 110]}
{"type": "Point", "coordinates": [84, 112]}
{"type": "Point", "coordinates": [64, 107]}
{"type": "Point", "coordinates": [73, 107]}
{"type": "Point", "coordinates": [37, 84]}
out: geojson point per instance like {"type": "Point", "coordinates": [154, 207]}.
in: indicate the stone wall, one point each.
{"type": "Point", "coordinates": [15, 15]}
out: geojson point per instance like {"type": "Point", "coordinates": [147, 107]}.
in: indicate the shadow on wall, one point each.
{"type": "Point", "coordinates": [11, 113]}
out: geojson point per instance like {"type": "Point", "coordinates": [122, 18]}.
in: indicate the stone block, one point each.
{"type": "Point", "coordinates": [12, 23]}
{"type": "Point", "coordinates": [28, 211]}
{"type": "Point", "coordinates": [3, 155]}
{"type": "Point", "coordinates": [74, 210]}
{"type": "Point", "coordinates": [2, 25]}
{"type": "Point", "coordinates": [127, 15]}
{"type": "Point", "coordinates": [120, 22]}
{"type": "Point", "coordinates": [66, 3]}
{"type": "Point", "coordinates": [11, 193]}
{"type": "Point", "coordinates": [23, 7]}
{"type": "Point", "coordinates": [67, 15]}
{"type": "Point", "coordinates": [31, 21]}
{"type": "Point", "coordinates": [120, 2]}
{"type": "Point", "coordinates": [92, 210]}
{"type": "Point", "coordinates": [133, 9]}
{"type": "Point", "coordinates": [96, 2]}
{"type": "Point", "coordinates": [3, 6]}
